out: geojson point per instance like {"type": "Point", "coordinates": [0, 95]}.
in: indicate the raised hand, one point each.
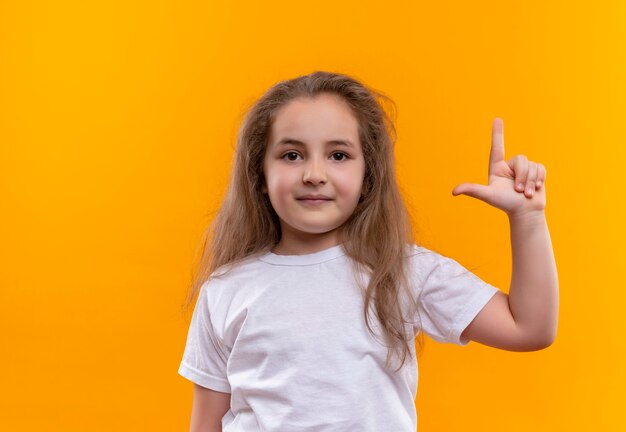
{"type": "Point", "coordinates": [516, 186]}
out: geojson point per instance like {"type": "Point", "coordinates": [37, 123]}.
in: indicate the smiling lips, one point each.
{"type": "Point", "coordinates": [314, 199]}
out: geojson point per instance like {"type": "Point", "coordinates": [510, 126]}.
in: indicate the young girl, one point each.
{"type": "Point", "coordinates": [312, 281]}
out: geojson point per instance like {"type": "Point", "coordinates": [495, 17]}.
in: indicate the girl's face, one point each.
{"type": "Point", "coordinates": [313, 149]}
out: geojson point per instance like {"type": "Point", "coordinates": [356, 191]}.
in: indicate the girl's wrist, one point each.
{"type": "Point", "coordinates": [530, 216]}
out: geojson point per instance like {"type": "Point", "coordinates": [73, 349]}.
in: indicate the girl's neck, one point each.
{"type": "Point", "coordinates": [304, 246]}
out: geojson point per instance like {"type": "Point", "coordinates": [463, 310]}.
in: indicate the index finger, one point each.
{"type": "Point", "coordinates": [497, 143]}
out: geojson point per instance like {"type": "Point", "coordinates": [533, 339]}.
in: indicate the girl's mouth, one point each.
{"type": "Point", "coordinates": [314, 201]}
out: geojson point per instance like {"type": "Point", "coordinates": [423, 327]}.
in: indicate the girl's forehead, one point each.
{"type": "Point", "coordinates": [325, 118]}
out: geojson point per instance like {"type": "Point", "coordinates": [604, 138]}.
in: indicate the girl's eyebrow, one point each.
{"type": "Point", "coordinates": [287, 141]}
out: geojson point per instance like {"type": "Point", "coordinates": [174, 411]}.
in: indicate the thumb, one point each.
{"type": "Point", "coordinates": [472, 189]}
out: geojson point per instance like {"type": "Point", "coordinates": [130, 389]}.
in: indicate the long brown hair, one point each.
{"type": "Point", "coordinates": [375, 236]}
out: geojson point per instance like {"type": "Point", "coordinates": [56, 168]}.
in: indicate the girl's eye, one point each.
{"type": "Point", "coordinates": [340, 153]}
{"type": "Point", "coordinates": [289, 153]}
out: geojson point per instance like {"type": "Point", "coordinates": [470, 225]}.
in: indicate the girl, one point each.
{"type": "Point", "coordinates": [312, 281]}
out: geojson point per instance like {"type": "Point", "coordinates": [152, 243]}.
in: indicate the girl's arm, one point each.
{"type": "Point", "coordinates": [526, 318]}
{"type": "Point", "coordinates": [209, 406]}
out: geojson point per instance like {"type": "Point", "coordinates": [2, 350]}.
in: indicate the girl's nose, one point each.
{"type": "Point", "coordinates": [314, 173]}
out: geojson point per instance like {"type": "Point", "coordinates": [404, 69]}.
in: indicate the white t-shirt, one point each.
{"type": "Point", "coordinates": [286, 336]}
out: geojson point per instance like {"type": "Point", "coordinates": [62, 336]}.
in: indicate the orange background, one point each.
{"type": "Point", "coordinates": [117, 127]}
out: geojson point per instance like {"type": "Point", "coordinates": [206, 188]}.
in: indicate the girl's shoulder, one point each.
{"type": "Point", "coordinates": [422, 251]}
{"type": "Point", "coordinates": [234, 267]}
{"type": "Point", "coordinates": [424, 260]}
{"type": "Point", "coordinates": [236, 272]}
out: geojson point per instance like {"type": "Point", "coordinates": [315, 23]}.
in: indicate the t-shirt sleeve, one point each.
{"type": "Point", "coordinates": [204, 358]}
{"type": "Point", "coordinates": [450, 296]}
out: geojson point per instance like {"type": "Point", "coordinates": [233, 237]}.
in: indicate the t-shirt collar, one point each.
{"type": "Point", "coordinates": [307, 259]}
